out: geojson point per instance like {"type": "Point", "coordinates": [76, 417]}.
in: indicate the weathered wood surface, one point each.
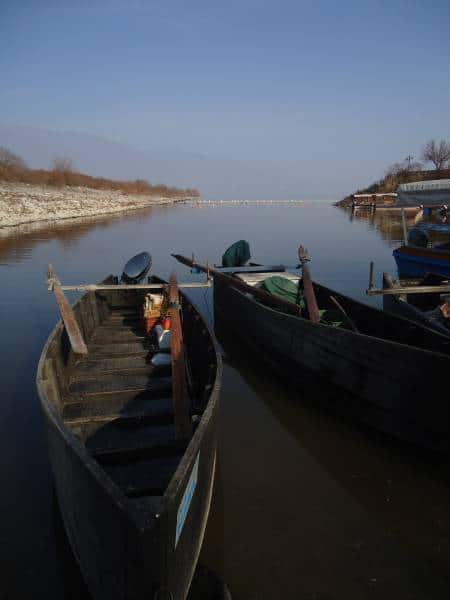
{"type": "Point", "coordinates": [120, 473]}
{"type": "Point", "coordinates": [310, 297]}
{"type": "Point", "coordinates": [376, 380]}
{"type": "Point", "coordinates": [183, 425]}
{"type": "Point", "coordinates": [94, 287]}
{"type": "Point", "coordinates": [419, 289]}
{"type": "Point", "coordinates": [70, 322]}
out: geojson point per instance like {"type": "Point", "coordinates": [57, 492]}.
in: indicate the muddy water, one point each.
{"type": "Point", "coordinates": [306, 505]}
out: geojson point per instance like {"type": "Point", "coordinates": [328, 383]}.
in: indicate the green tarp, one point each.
{"type": "Point", "coordinates": [289, 290]}
{"type": "Point", "coordinates": [283, 288]}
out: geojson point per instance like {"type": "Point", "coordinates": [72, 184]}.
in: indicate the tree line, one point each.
{"type": "Point", "coordinates": [436, 152]}
{"type": "Point", "coordinates": [63, 173]}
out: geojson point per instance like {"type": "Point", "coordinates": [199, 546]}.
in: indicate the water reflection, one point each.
{"type": "Point", "coordinates": [378, 479]}
{"type": "Point", "coordinates": [388, 223]}
{"type": "Point", "coordinates": [16, 243]}
{"type": "Point", "coordinates": [305, 505]}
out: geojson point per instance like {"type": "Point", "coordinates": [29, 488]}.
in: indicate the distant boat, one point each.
{"type": "Point", "coordinates": [133, 473]}
{"type": "Point", "coordinates": [417, 258]}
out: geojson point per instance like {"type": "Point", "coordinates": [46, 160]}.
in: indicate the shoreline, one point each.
{"type": "Point", "coordinates": [22, 203]}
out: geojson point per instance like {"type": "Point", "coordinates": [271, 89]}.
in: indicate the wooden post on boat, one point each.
{"type": "Point", "coordinates": [73, 331]}
{"type": "Point", "coordinates": [310, 296]}
{"type": "Point", "coordinates": [405, 231]}
{"type": "Point", "coordinates": [183, 425]}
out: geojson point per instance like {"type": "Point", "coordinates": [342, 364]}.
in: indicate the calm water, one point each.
{"type": "Point", "coordinates": [305, 506]}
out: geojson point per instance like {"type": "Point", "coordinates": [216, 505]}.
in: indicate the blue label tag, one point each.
{"type": "Point", "coordinates": [185, 503]}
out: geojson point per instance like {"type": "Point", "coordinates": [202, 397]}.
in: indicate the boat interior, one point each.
{"type": "Point", "coordinates": [117, 400]}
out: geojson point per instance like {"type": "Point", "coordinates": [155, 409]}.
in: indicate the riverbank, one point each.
{"type": "Point", "coordinates": [22, 203]}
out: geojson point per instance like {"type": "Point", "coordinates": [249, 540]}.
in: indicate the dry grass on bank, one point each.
{"type": "Point", "coordinates": [61, 178]}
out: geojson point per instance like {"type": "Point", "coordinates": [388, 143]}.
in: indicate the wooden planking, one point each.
{"type": "Point", "coordinates": [105, 336]}
{"type": "Point", "coordinates": [120, 383]}
{"type": "Point", "coordinates": [87, 487]}
{"type": "Point", "coordinates": [183, 424]}
{"type": "Point", "coordinates": [72, 328]}
{"type": "Point", "coordinates": [308, 288]}
{"type": "Point", "coordinates": [150, 409]}
{"type": "Point", "coordinates": [111, 349]}
{"type": "Point", "coordinates": [98, 365]}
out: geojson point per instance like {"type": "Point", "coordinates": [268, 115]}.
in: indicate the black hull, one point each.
{"type": "Point", "coordinates": [390, 386]}
{"type": "Point", "coordinates": [125, 545]}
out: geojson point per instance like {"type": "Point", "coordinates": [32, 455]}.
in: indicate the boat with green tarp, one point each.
{"type": "Point", "coordinates": [372, 363]}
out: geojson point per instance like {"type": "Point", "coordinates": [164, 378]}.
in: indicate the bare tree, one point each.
{"type": "Point", "coordinates": [437, 152]}
{"type": "Point", "coordinates": [9, 159]}
{"type": "Point", "coordinates": [401, 168]}
{"type": "Point", "coordinates": [63, 165]}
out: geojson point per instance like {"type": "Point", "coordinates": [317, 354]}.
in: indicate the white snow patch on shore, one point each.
{"type": "Point", "coordinates": [24, 203]}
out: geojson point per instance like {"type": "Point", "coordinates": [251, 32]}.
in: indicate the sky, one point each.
{"type": "Point", "coordinates": [336, 90]}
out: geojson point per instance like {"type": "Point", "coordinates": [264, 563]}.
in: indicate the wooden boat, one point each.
{"type": "Point", "coordinates": [418, 257]}
{"type": "Point", "coordinates": [391, 369]}
{"type": "Point", "coordinates": [133, 480]}
{"type": "Point", "coordinates": [417, 306]}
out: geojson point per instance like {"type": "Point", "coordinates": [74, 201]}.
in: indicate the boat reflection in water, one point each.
{"type": "Point", "coordinates": [332, 497]}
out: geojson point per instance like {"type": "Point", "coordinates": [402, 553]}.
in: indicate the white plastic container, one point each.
{"type": "Point", "coordinates": [161, 359]}
{"type": "Point", "coordinates": [164, 337]}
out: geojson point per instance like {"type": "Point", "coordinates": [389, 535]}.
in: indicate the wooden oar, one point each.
{"type": "Point", "coordinates": [310, 296]}
{"type": "Point", "coordinates": [344, 313]}
{"type": "Point", "coordinates": [73, 331]}
{"type": "Point", "coordinates": [183, 424]}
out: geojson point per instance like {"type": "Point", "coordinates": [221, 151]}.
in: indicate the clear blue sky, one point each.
{"type": "Point", "coordinates": [353, 85]}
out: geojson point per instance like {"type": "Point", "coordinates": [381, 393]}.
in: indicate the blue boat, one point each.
{"type": "Point", "coordinates": [418, 257]}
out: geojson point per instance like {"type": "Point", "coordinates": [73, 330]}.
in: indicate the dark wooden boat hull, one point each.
{"type": "Point", "coordinates": [127, 544]}
{"type": "Point", "coordinates": [391, 386]}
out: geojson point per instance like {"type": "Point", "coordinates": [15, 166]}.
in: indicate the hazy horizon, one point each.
{"type": "Point", "coordinates": [290, 99]}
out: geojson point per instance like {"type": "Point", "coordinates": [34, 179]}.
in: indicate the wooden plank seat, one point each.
{"type": "Point", "coordinates": [158, 412]}
{"type": "Point", "coordinates": [99, 365]}
{"type": "Point", "coordinates": [112, 384]}
{"type": "Point", "coordinates": [144, 346]}
{"type": "Point", "coordinates": [148, 449]}
{"type": "Point", "coordinates": [107, 336]}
